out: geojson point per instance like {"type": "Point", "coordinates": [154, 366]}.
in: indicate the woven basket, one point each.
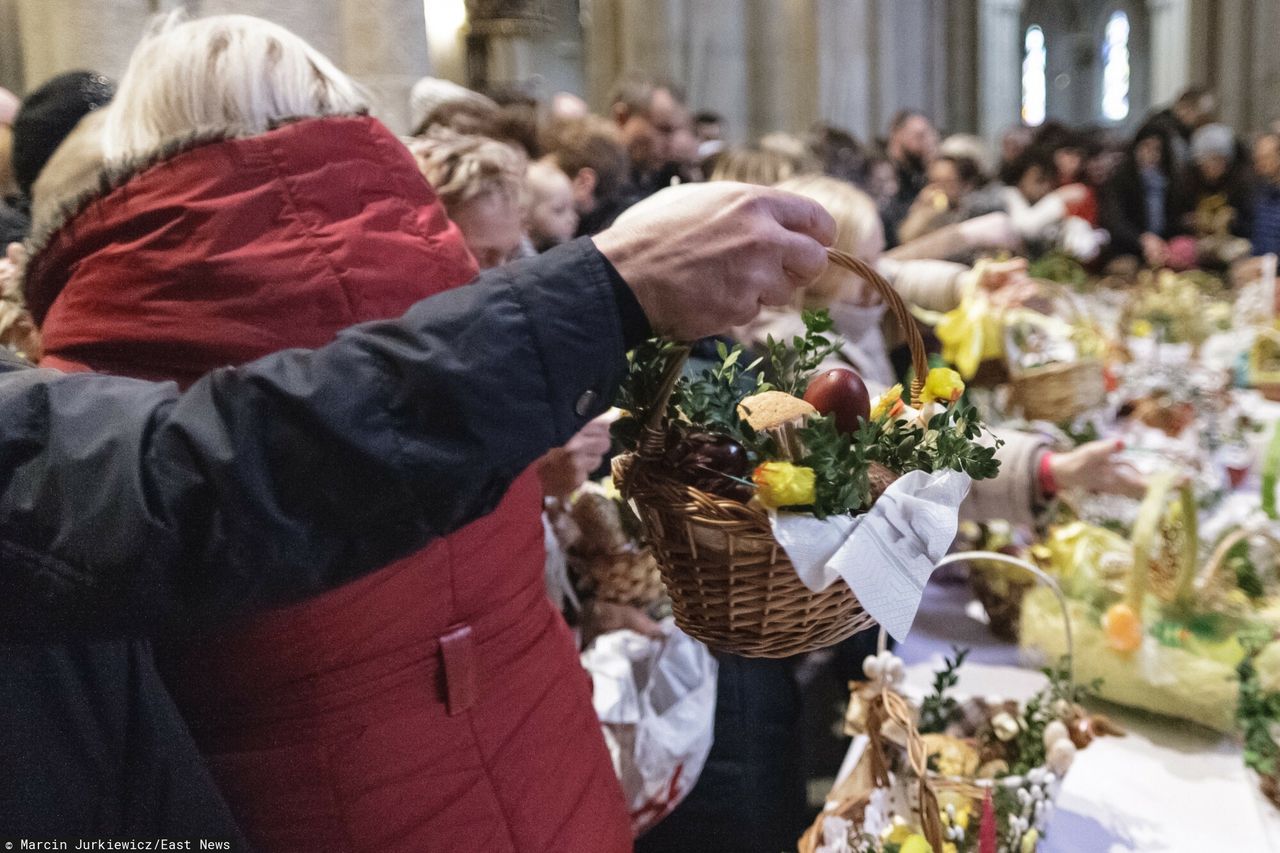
{"type": "Point", "coordinates": [731, 584]}
{"type": "Point", "coordinates": [603, 562]}
{"type": "Point", "coordinates": [1000, 594]}
{"type": "Point", "coordinates": [891, 726]}
{"type": "Point", "coordinates": [1058, 392]}
{"type": "Point", "coordinates": [1165, 576]}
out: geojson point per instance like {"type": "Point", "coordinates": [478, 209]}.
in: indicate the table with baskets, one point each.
{"type": "Point", "coordinates": [1165, 787]}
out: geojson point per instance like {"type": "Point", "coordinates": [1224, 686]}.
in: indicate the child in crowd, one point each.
{"type": "Point", "coordinates": [550, 217]}
{"type": "Point", "coordinates": [481, 184]}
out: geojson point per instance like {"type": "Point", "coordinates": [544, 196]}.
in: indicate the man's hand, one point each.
{"type": "Point", "coordinates": [702, 258]}
{"type": "Point", "coordinates": [601, 617]}
{"type": "Point", "coordinates": [990, 231]}
{"type": "Point", "coordinates": [1154, 250]}
{"type": "Point", "coordinates": [566, 468]}
{"type": "Point", "coordinates": [1072, 194]}
{"type": "Point", "coordinates": [1000, 274]}
{"type": "Point", "coordinates": [1093, 467]}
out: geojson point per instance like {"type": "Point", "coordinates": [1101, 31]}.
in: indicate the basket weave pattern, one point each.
{"type": "Point", "coordinates": [731, 585]}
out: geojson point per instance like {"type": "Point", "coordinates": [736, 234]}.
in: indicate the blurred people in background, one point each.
{"type": "Point", "coordinates": [442, 103]}
{"type": "Point", "coordinates": [1013, 142]}
{"type": "Point", "coordinates": [838, 152]}
{"type": "Point", "coordinates": [1219, 184]}
{"type": "Point", "coordinates": [754, 165]}
{"type": "Point", "coordinates": [550, 217]}
{"type": "Point", "coordinates": [1143, 203]}
{"type": "Point", "coordinates": [708, 129]}
{"type": "Point", "coordinates": [911, 144]}
{"type": "Point", "coordinates": [953, 181]}
{"type": "Point", "coordinates": [1266, 200]}
{"type": "Point", "coordinates": [589, 151]}
{"type": "Point", "coordinates": [649, 116]}
{"type": "Point", "coordinates": [46, 117]}
{"type": "Point", "coordinates": [480, 181]}
{"type": "Point", "coordinates": [1070, 151]}
{"type": "Point", "coordinates": [1193, 109]}
{"type": "Point", "coordinates": [13, 225]}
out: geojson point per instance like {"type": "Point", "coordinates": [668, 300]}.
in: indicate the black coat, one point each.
{"type": "Point", "coordinates": [126, 509]}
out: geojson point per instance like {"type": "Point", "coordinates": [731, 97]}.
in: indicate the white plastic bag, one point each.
{"type": "Point", "coordinates": [657, 703]}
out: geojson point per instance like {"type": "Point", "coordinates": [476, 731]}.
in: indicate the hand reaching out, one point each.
{"type": "Point", "coordinates": [1093, 467]}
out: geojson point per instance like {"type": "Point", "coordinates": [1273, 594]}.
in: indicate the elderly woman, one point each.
{"type": "Point", "coordinates": [249, 205]}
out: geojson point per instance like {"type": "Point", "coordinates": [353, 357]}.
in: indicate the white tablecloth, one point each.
{"type": "Point", "coordinates": [1166, 787]}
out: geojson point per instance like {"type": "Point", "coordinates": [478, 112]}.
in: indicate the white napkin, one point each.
{"type": "Point", "coordinates": [885, 555]}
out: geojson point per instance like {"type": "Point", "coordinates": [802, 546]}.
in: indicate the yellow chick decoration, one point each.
{"type": "Point", "coordinates": [942, 384]}
{"type": "Point", "coordinates": [780, 484]}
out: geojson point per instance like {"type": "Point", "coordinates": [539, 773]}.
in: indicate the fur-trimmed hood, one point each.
{"type": "Point", "coordinates": [217, 250]}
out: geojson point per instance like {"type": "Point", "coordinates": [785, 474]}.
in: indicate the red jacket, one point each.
{"type": "Point", "coordinates": [436, 705]}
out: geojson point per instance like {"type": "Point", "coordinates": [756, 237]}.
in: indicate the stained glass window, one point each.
{"type": "Point", "coordinates": [1033, 77]}
{"type": "Point", "coordinates": [1115, 68]}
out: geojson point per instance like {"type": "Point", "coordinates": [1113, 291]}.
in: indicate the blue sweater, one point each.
{"type": "Point", "coordinates": [1266, 219]}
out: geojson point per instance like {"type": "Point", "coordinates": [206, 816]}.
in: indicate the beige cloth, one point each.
{"type": "Point", "coordinates": [1014, 494]}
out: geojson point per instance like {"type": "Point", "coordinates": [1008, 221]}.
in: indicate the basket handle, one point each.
{"type": "Point", "coordinates": [1219, 557]}
{"type": "Point", "coordinates": [1145, 530]}
{"type": "Point", "coordinates": [1042, 577]}
{"type": "Point", "coordinates": [889, 706]}
{"type": "Point", "coordinates": [653, 437]}
{"type": "Point", "coordinates": [915, 342]}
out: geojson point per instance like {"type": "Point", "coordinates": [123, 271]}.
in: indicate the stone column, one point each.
{"type": "Point", "coordinates": [781, 66]}
{"type": "Point", "coordinates": [1266, 66]}
{"type": "Point", "coordinates": [384, 46]}
{"type": "Point", "coordinates": [1000, 66]}
{"type": "Point", "coordinates": [63, 35]}
{"type": "Point", "coordinates": [1170, 27]}
{"type": "Point", "coordinates": [848, 70]}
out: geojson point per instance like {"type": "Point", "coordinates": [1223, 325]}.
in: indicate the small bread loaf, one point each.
{"type": "Point", "coordinates": [773, 409]}
{"type": "Point", "coordinates": [781, 416]}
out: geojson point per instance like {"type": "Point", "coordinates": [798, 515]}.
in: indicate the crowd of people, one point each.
{"type": "Point", "coordinates": [231, 198]}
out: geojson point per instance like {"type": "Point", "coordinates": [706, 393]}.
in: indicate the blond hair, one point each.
{"type": "Point", "coordinates": [462, 168]}
{"type": "Point", "coordinates": [227, 73]}
{"type": "Point", "coordinates": [857, 226]}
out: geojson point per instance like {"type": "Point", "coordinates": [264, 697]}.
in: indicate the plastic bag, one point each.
{"type": "Point", "coordinates": [656, 699]}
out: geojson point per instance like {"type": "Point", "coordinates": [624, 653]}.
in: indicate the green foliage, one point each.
{"type": "Point", "coordinates": [791, 366]}
{"type": "Point", "coordinates": [938, 709]}
{"type": "Point", "coordinates": [840, 468]}
{"type": "Point", "coordinates": [1028, 747]}
{"type": "Point", "coordinates": [1257, 711]}
{"type": "Point", "coordinates": [1246, 573]}
{"type": "Point", "coordinates": [841, 462]}
{"type": "Point", "coordinates": [947, 443]}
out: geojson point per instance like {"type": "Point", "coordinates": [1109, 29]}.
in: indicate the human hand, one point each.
{"type": "Point", "coordinates": [990, 231]}
{"type": "Point", "coordinates": [1093, 467]}
{"type": "Point", "coordinates": [601, 617]}
{"type": "Point", "coordinates": [702, 258]}
{"type": "Point", "coordinates": [566, 468]}
{"type": "Point", "coordinates": [1154, 250]}
{"type": "Point", "coordinates": [997, 275]}
{"type": "Point", "coordinates": [1072, 194]}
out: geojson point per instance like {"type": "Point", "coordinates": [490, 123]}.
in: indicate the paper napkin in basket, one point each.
{"type": "Point", "coordinates": [885, 555]}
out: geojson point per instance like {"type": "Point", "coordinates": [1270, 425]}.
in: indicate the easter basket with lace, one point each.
{"type": "Point", "coordinates": [779, 525]}
{"type": "Point", "coordinates": [1156, 622]}
{"type": "Point", "coordinates": [972, 776]}
{"type": "Point", "coordinates": [1054, 357]}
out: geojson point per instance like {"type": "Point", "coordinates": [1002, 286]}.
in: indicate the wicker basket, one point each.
{"type": "Point", "coordinates": [1263, 356]}
{"type": "Point", "coordinates": [731, 584]}
{"type": "Point", "coordinates": [1164, 576]}
{"type": "Point", "coordinates": [1058, 392]}
{"type": "Point", "coordinates": [603, 562]}
{"type": "Point", "coordinates": [891, 726]}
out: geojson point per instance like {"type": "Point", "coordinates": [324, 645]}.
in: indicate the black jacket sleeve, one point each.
{"type": "Point", "coordinates": [125, 506]}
